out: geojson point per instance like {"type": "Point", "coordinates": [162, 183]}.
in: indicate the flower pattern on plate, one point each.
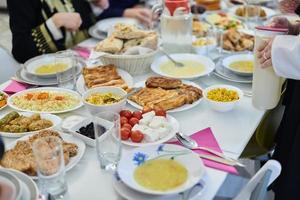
{"type": "Point", "coordinates": [139, 158]}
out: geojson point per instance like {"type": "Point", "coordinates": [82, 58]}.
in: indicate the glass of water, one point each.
{"type": "Point", "coordinates": [66, 76]}
{"type": "Point", "coordinates": [108, 139]}
{"type": "Point", "coordinates": [50, 162]}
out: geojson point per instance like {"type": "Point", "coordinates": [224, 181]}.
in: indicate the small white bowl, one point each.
{"type": "Point", "coordinates": [116, 107]}
{"type": "Point", "coordinates": [73, 130]}
{"type": "Point", "coordinates": [203, 50]}
{"type": "Point", "coordinates": [238, 57]}
{"type": "Point", "coordinates": [223, 106]}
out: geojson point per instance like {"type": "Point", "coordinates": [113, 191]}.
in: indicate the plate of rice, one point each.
{"type": "Point", "coordinates": [46, 100]}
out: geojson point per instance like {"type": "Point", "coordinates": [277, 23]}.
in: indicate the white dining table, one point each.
{"type": "Point", "coordinates": [232, 130]}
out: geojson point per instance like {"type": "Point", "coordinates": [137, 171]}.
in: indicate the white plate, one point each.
{"type": "Point", "coordinates": [11, 181]}
{"type": "Point", "coordinates": [175, 128]}
{"type": "Point", "coordinates": [225, 74]}
{"type": "Point", "coordinates": [194, 193]}
{"type": "Point", "coordinates": [33, 64]}
{"type": "Point", "coordinates": [1, 92]}
{"type": "Point", "coordinates": [10, 103]}
{"type": "Point", "coordinates": [269, 12]}
{"type": "Point", "coordinates": [100, 28]}
{"type": "Point", "coordinates": [66, 137]}
{"type": "Point", "coordinates": [29, 188]}
{"type": "Point", "coordinates": [53, 118]}
{"type": "Point", "coordinates": [205, 61]}
{"type": "Point", "coordinates": [238, 57]}
{"type": "Point", "coordinates": [190, 160]}
{"type": "Point", "coordinates": [179, 109]}
{"type": "Point", "coordinates": [23, 76]}
{"type": "Point", "coordinates": [81, 88]}
{"type": "Point", "coordinates": [213, 18]}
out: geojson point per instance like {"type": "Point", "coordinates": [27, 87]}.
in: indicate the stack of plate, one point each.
{"type": "Point", "coordinates": [28, 75]}
{"type": "Point", "coordinates": [19, 185]}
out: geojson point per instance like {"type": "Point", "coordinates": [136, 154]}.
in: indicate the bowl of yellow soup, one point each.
{"type": "Point", "coordinates": [194, 66]}
{"type": "Point", "coordinates": [161, 169]}
{"type": "Point", "coordinates": [241, 64]}
{"type": "Point", "coordinates": [45, 66]}
{"type": "Point", "coordinates": [106, 98]}
{"type": "Point", "coordinates": [222, 98]}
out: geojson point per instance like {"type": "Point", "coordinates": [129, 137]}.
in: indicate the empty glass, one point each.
{"type": "Point", "coordinates": [108, 139]}
{"type": "Point", "coordinates": [66, 78]}
{"type": "Point", "coordinates": [50, 162]}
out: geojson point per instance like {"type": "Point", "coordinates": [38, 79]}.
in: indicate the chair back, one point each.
{"type": "Point", "coordinates": [256, 188]}
{"type": "Point", "coordinates": [8, 65]}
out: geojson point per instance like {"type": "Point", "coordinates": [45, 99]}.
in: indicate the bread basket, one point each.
{"type": "Point", "coordinates": [134, 64]}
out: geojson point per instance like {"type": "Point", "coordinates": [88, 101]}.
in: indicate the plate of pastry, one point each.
{"type": "Point", "coordinates": [237, 41]}
{"type": "Point", "coordinates": [106, 75]}
{"type": "Point", "coordinates": [251, 11]}
{"type": "Point", "coordinates": [171, 95]}
{"type": "Point", "coordinates": [19, 154]}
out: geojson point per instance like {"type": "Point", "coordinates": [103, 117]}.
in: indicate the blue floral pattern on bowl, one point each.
{"type": "Point", "coordinates": [139, 158]}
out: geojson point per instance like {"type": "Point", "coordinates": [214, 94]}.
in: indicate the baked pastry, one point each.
{"type": "Point", "coordinates": [110, 45]}
{"type": "Point", "coordinates": [234, 40]}
{"type": "Point", "coordinates": [127, 32]}
{"type": "Point", "coordinates": [106, 75]}
{"type": "Point", "coordinates": [166, 93]}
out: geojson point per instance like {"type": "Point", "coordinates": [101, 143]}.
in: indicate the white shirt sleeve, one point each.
{"type": "Point", "coordinates": [96, 9]}
{"type": "Point", "coordinates": [56, 32]}
{"type": "Point", "coordinates": [285, 56]}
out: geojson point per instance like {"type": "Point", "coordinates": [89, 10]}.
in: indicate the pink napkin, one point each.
{"type": "Point", "coordinates": [15, 87]}
{"type": "Point", "coordinates": [82, 52]}
{"type": "Point", "coordinates": [205, 138]}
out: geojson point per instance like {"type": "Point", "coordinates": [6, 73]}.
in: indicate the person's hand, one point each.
{"type": "Point", "coordinates": [144, 15]}
{"type": "Point", "coordinates": [288, 6]}
{"type": "Point", "coordinates": [264, 52]}
{"type": "Point", "coordinates": [70, 21]}
{"type": "Point", "coordinates": [104, 4]}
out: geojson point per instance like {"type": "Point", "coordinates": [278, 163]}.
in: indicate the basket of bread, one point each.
{"type": "Point", "coordinates": [129, 48]}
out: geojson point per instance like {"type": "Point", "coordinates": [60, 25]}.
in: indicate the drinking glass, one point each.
{"type": "Point", "coordinates": [48, 153]}
{"type": "Point", "coordinates": [66, 78]}
{"type": "Point", "coordinates": [108, 139]}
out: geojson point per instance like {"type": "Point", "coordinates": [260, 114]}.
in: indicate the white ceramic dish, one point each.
{"type": "Point", "coordinates": [238, 57]}
{"type": "Point", "coordinates": [66, 137]}
{"type": "Point", "coordinates": [29, 188]}
{"type": "Point", "coordinates": [126, 192]}
{"type": "Point", "coordinates": [190, 160]}
{"type": "Point", "coordinates": [223, 106]}
{"type": "Point", "coordinates": [179, 109]}
{"type": "Point", "coordinates": [101, 28]}
{"type": "Point", "coordinates": [203, 50]}
{"type": "Point", "coordinates": [53, 118]}
{"type": "Point", "coordinates": [11, 104]}
{"type": "Point", "coordinates": [115, 107]}
{"type": "Point", "coordinates": [1, 92]}
{"type": "Point", "coordinates": [175, 128]}
{"type": "Point", "coordinates": [34, 63]}
{"type": "Point", "coordinates": [213, 18]}
{"type": "Point", "coordinates": [205, 61]}
{"type": "Point", "coordinates": [12, 182]}
{"type": "Point", "coordinates": [269, 12]}
{"type": "Point", "coordinates": [73, 130]}
{"type": "Point", "coordinates": [81, 87]}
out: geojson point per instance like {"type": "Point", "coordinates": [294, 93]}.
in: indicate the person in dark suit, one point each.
{"type": "Point", "coordinates": [127, 8]}
{"type": "Point", "coordinates": [47, 26]}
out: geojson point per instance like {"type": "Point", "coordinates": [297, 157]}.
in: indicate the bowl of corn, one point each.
{"type": "Point", "coordinates": [222, 98]}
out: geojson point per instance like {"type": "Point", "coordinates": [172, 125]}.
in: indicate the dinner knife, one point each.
{"type": "Point", "coordinates": [221, 160]}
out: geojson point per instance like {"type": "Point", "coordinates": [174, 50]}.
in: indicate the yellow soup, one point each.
{"type": "Point", "coordinates": [51, 68]}
{"type": "Point", "coordinates": [243, 66]}
{"type": "Point", "coordinates": [161, 174]}
{"type": "Point", "coordinates": [190, 68]}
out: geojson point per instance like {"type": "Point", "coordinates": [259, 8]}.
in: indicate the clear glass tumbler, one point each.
{"type": "Point", "coordinates": [108, 139]}
{"type": "Point", "coordinates": [66, 78]}
{"type": "Point", "coordinates": [50, 162]}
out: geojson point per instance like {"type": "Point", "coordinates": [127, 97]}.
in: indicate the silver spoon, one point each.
{"type": "Point", "coordinates": [177, 64]}
{"type": "Point", "coordinates": [192, 144]}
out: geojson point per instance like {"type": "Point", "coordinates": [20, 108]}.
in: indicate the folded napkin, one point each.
{"type": "Point", "coordinates": [15, 87]}
{"type": "Point", "coordinates": [82, 52]}
{"type": "Point", "coordinates": [205, 138]}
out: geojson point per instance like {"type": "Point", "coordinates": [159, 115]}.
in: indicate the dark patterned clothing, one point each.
{"type": "Point", "coordinates": [32, 37]}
